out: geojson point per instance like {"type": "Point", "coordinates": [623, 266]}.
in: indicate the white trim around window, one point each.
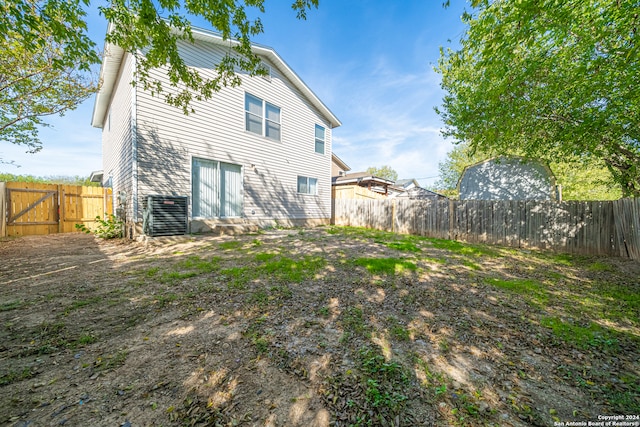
{"type": "Point", "coordinates": [307, 185]}
{"type": "Point", "coordinates": [320, 141]}
{"type": "Point", "coordinates": [216, 189]}
{"type": "Point", "coordinates": [262, 117]}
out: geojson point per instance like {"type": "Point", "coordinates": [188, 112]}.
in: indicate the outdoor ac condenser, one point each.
{"type": "Point", "coordinates": [165, 215]}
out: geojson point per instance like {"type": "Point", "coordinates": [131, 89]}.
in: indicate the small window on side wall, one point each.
{"type": "Point", "coordinates": [307, 185]}
{"type": "Point", "coordinates": [320, 139]}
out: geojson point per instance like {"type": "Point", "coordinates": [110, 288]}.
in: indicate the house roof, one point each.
{"type": "Point", "coordinates": [358, 178]}
{"type": "Point", "coordinates": [96, 176]}
{"type": "Point", "coordinates": [338, 161]}
{"type": "Point", "coordinates": [114, 55]}
{"type": "Point", "coordinates": [421, 193]}
{"type": "Point", "coordinates": [405, 182]}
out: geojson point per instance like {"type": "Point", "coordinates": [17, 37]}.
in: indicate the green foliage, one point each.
{"type": "Point", "coordinates": [46, 53]}
{"type": "Point", "coordinates": [591, 335]}
{"type": "Point", "coordinates": [139, 28]}
{"type": "Point", "coordinates": [385, 381]}
{"type": "Point", "coordinates": [389, 266]}
{"type": "Point", "coordinates": [585, 180]}
{"type": "Point", "coordinates": [110, 361]}
{"type": "Point", "coordinates": [384, 172]}
{"type": "Point", "coordinates": [200, 264]}
{"type": "Point", "coordinates": [464, 248]}
{"type": "Point", "coordinates": [555, 79]}
{"type": "Point", "coordinates": [15, 376]}
{"type": "Point", "coordinates": [82, 303]}
{"type": "Point", "coordinates": [233, 244]}
{"type": "Point", "coordinates": [403, 245]}
{"type": "Point", "coordinates": [45, 58]}
{"type": "Point", "coordinates": [66, 180]}
{"type": "Point", "coordinates": [110, 228]}
{"type": "Point", "coordinates": [532, 290]}
{"type": "Point", "coordinates": [237, 277]}
{"type": "Point", "coordinates": [12, 305]}
{"type": "Point", "coordinates": [354, 323]}
{"type": "Point", "coordinates": [87, 339]}
{"type": "Point", "coordinates": [176, 276]}
{"type": "Point", "coordinates": [257, 334]}
{"type": "Point", "coordinates": [398, 330]}
{"type": "Point", "coordinates": [293, 270]}
{"type": "Point", "coordinates": [450, 170]}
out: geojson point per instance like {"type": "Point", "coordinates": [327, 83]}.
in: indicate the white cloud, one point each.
{"type": "Point", "coordinates": [390, 121]}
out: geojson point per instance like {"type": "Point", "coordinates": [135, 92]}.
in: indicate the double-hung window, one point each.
{"type": "Point", "coordinates": [320, 139]}
{"type": "Point", "coordinates": [261, 117]}
{"type": "Point", "coordinates": [307, 185]}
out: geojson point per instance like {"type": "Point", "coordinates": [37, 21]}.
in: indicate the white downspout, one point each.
{"type": "Point", "coordinates": [134, 144]}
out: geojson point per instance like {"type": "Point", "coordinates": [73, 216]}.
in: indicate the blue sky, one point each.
{"type": "Point", "coordinates": [370, 61]}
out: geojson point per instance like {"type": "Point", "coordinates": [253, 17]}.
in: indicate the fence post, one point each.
{"type": "Point", "coordinates": [104, 203]}
{"type": "Point", "coordinates": [3, 210]}
{"type": "Point", "coordinates": [393, 216]}
{"type": "Point", "coordinates": [60, 210]}
{"type": "Point", "coordinates": [452, 220]}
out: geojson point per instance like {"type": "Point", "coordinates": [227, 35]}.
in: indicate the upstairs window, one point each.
{"type": "Point", "coordinates": [307, 185]}
{"type": "Point", "coordinates": [319, 139]}
{"type": "Point", "coordinates": [261, 117]}
{"type": "Point", "coordinates": [272, 124]}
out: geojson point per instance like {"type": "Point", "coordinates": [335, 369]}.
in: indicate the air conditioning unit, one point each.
{"type": "Point", "coordinates": [165, 215]}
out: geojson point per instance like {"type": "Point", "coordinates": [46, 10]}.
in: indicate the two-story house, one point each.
{"type": "Point", "coordinates": [259, 153]}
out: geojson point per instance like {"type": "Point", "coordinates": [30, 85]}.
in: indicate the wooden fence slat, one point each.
{"type": "Point", "coordinates": [599, 228]}
{"type": "Point", "coordinates": [58, 210]}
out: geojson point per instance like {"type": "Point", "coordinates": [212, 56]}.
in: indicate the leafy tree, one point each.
{"type": "Point", "coordinates": [45, 48]}
{"type": "Point", "coordinates": [580, 180]}
{"type": "Point", "coordinates": [385, 172]}
{"type": "Point", "coordinates": [452, 167]}
{"type": "Point", "coordinates": [42, 71]}
{"type": "Point", "coordinates": [556, 80]}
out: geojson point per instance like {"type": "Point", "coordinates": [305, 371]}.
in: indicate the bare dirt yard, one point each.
{"type": "Point", "coordinates": [316, 327]}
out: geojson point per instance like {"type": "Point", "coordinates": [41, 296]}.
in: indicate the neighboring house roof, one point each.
{"type": "Point", "coordinates": [113, 56]}
{"type": "Point", "coordinates": [395, 191]}
{"type": "Point", "coordinates": [338, 161]}
{"type": "Point", "coordinates": [507, 178]}
{"type": "Point", "coordinates": [359, 178]}
{"type": "Point", "coordinates": [405, 183]}
{"type": "Point", "coordinates": [96, 176]}
{"type": "Point", "coordinates": [419, 193]}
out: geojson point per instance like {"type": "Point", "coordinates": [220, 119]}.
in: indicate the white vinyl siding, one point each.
{"type": "Point", "coordinates": [169, 140]}
{"type": "Point", "coordinates": [319, 139]}
{"type": "Point", "coordinates": [117, 152]}
{"type": "Point", "coordinates": [216, 189]}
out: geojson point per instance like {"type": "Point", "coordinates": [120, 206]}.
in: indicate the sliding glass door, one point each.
{"type": "Point", "coordinates": [216, 189]}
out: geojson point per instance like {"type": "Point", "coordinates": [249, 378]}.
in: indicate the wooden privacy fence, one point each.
{"type": "Point", "coordinates": [31, 208]}
{"type": "Point", "coordinates": [596, 228]}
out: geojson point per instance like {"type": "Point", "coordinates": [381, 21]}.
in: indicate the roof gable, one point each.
{"type": "Point", "coordinates": [114, 56]}
{"type": "Point", "coordinates": [339, 162]}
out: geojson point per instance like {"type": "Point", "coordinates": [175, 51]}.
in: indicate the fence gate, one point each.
{"type": "Point", "coordinates": [31, 208]}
